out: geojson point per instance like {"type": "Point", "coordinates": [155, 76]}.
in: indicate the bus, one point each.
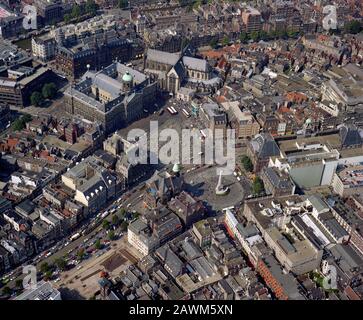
{"type": "Point", "coordinates": [171, 110]}
{"type": "Point", "coordinates": [203, 134]}
{"type": "Point", "coordinates": [186, 113]}
{"type": "Point", "coordinates": [174, 110]}
{"type": "Point", "coordinates": [75, 236]}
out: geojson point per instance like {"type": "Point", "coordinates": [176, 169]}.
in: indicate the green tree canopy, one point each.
{"type": "Point", "coordinates": [98, 244]}
{"type": "Point", "coordinates": [255, 35]}
{"type": "Point", "coordinates": [124, 226]}
{"type": "Point", "coordinates": [6, 291]}
{"type": "Point", "coordinates": [115, 220]}
{"type": "Point", "coordinates": [258, 186]}
{"type": "Point", "coordinates": [67, 18]}
{"type": "Point", "coordinates": [19, 283]}
{"type": "Point", "coordinates": [122, 213]}
{"type": "Point", "coordinates": [91, 7]}
{"type": "Point", "coordinates": [353, 27]}
{"type": "Point", "coordinates": [48, 275]}
{"type": "Point", "coordinates": [123, 3]}
{"type": "Point", "coordinates": [243, 37]}
{"type": "Point", "coordinates": [20, 123]}
{"type": "Point", "coordinates": [60, 263]}
{"type": "Point", "coordinates": [106, 225]}
{"type": "Point", "coordinates": [36, 99]}
{"type": "Point", "coordinates": [111, 235]}
{"type": "Point", "coordinates": [225, 41]}
{"type": "Point", "coordinates": [247, 163]}
{"type": "Point", "coordinates": [44, 267]}
{"type": "Point", "coordinates": [49, 90]}
{"type": "Point", "coordinates": [80, 254]}
{"type": "Point", "coordinates": [76, 11]}
{"type": "Point", "coordinates": [213, 43]}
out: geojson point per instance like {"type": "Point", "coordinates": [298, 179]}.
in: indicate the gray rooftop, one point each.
{"type": "Point", "coordinates": [162, 57]}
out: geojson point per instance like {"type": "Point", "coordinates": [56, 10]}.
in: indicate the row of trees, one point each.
{"type": "Point", "coordinates": [49, 91]}
{"type": "Point", "coordinates": [257, 36]}
{"type": "Point", "coordinates": [90, 9]}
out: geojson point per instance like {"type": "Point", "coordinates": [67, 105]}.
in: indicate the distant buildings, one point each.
{"type": "Point", "coordinates": [92, 46]}
{"type": "Point", "coordinates": [49, 11]}
{"type": "Point", "coordinates": [252, 20]}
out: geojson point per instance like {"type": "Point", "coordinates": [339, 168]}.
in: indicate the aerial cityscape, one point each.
{"type": "Point", "coordinates": [181, 150]}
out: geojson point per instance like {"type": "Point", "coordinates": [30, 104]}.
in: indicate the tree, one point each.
{"type": "Point", "coordinates": [27, 117]}
{"type": "Point", "coordinates": [91, 7]}
{"type": "Point", "coordinates": [213, 43]}
{"type": "Point", "coordinates": [111, 235]}
{"type": "Point", "coordinates": [292, 34]}
{"type": "Point", "coordinates": [48, 275]}
{"type": "Point", "coordinates": [197, 4]}
{"type": "Point", "coordinates": [98, 244]}
{"type": "Point", "coordinates": [20, 123]}
{"type": "Point", "coordinates": [123, 4]}
{"type": "Point", "coordinates": [258, 186]}
{"type": "Point", "coordinates": [6, 291]}
{"type": "Point", "coordinates": [60, 263]}
{"type": "Point", "coordinates": [281, 34]}
{"type": "Point", "coordinates": [106, 225]}
{"type": "Point", "coordinates": [19, 283]}
{"type": "Point", "coordinates": [247, 163]}
{"type": "Point", "coordinates": [36, 98]}
{"type": "Point", "coordinates": [76, 11]}
{"type": "Point", "coordinates": [80, 254]}
{"type": "Point", "coordinates": [124, 226]}
{"type": "Point", "coordinates": [353, 27]}
{"type": "Point", "coordinates": [49, 90]}
{"type": "Point", "coordinates": [44, 267]}
{"type": "Point", "coordinates": [67, 18]}
{"type": "Point", "coordinates": [243, 37]}
{"type": "Point", "coordinates": [115, 220]}
{"type": "Point", "coordinates": [135, 215]}
{"type": "Point", "coordinates": [255, 36]}
{"type": "Point", "coordinates": [263, 35]}
{"type": "Point", "coordinates": [225, 41]}
{"type": "Point", "coordinates": [272, 34]}
{"type": "Point", "coordinates": [122, 213]}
